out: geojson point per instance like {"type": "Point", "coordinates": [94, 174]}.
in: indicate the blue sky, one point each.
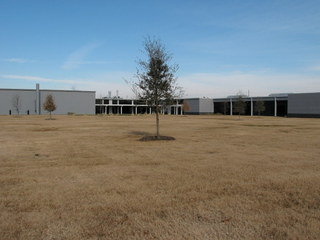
{"type": "Point", "coordinates": [222, 47]}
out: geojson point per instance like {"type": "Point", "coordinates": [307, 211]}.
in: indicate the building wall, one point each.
{"type": "Point", "coordinates": [205, 106]}
{"type": "Point", "coordinates": [193, 106]}
{"type": "Point", "coordinates": [79, 102]}
{"type": "Point", "coordinates": [199, 106]}
{"type": "Point", "coordinates": [304, 105]}
{"type": "Point", "coordinates": [27, 101]}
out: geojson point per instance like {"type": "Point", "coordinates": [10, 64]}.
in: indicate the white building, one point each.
{"type": "Point", "coordinates": [30, 101]}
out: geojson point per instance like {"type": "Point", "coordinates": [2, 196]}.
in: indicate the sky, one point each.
{"type": "Point", "coordinates": [222, 47]}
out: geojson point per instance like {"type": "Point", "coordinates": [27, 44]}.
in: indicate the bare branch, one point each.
{"type": "Point", "coordinates": [16, 103]}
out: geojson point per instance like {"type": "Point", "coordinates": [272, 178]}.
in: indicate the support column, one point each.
{"type": "Point", "coordinates": [181, 110]}
{"type": "Point", "coordinates": [121, 110]}
{"type": "Point", "coordinates": [251, 107]}
{"type": "Point", "coordinates": [230, 106]}
{"type": "Point", "coordinates": [177, 107]}
{"type": "Point", "coordinates": [136, 110]}
{"type": "Point", "coordinates": [275, 106]}
{"type": "Point", "coordinates": [38, 104]}
{"type": "Point", "coordinates": [213, 107]}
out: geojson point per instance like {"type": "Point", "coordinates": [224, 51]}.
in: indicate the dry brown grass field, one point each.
{"type": "Point", "coordinates": [88, 177]}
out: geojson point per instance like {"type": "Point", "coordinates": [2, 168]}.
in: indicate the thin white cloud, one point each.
{"type": "Point", "coordinates": [102, 84]}
{"type": "Point", "coordinates": [222, 85]}
{"type": "Point", "coordinates": [39, 79]}
{"type": "Point", "coordinates": [315, 68]}
{"type": "Point", "coordinates": [91, 62]}
{"type": "Point", "coordinates": [195, 85]}
{"type": "Point", "coordinates": [77, 58]}
{"type": "Point", "coordinates": [102, 89]}
{"type": "Point", "coordinates": [17, 60]}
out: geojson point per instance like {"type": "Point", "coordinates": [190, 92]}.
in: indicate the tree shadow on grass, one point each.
{"type": "Point", "coordinates": [149, 137]}
{"type": "Point", "coordinates": [140, 133]}
{"type": "Point", "coordinates": [155, 138]}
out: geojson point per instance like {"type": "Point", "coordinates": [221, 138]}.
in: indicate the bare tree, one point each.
{"type": "Point", "coordinates": [240, 105]}
{"type": "Point", "coordinates": [259, 106]}
{"type": "Point", "coordinates": [16, 103]}
{"type": "Point", "coordinates": [157, 83]}
{"type": "Point", "coordinates": [49, 104]}
{"type": "Point", "coordinates": [133, 86]}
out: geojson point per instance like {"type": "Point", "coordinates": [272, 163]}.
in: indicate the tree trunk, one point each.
{"type": "Point", "coordinates": [50, 115]}
{"type": "Point", "coordinates": [157, 120]}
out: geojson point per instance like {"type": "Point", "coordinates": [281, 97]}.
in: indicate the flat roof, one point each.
{"type": "Point", "coordinates": [264, 98]}
{"type": "Point", "coordinates": [52, 90]}
{"type": "Point", "coordinates": [66, 90]}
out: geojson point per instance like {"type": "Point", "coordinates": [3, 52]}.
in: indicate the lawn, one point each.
{"type": "Point", "coordinates": [88, 177]}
